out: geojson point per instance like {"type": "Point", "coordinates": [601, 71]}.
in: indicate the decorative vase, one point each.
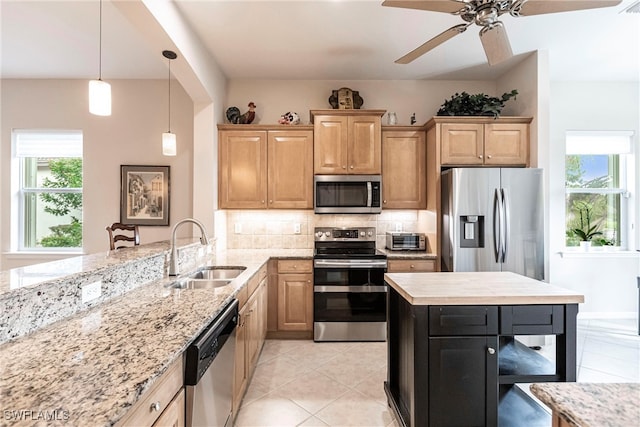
{"type": "Point", "coordinates": [392, 119]}
{"type": "Point", "coordinates": [585, 246]}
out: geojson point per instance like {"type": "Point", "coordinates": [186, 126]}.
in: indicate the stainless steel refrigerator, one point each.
{"type": "Point", "coordinates": [493, 220]}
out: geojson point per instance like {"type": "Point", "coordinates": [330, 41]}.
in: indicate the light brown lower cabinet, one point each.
{"type": "Point", "coordinates": [411, 265]}
{"type": "Point", "coordinates": [163, 404]}
{"type": "Point", "coordinates": [250, 333]}
{"type": "Point", "coordinates": [295, 295]}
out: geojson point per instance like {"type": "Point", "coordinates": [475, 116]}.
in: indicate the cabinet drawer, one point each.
{"type": "Point", "coordinates": [295, 266]}
{"type": "Point", "coordinates": [463, 320]}
{"type": "Point", "coordinates": [157, 399]}
{"type": "Point", "coordinates": [532, 319]}
{"type": "Point", "coordinates": [411, 265]}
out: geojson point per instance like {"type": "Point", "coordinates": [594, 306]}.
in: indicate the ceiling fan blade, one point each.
{"type": "Point", "coordinates": [447, 6]}
{"type": "Point", "coordinates": [496, 43]}
{"type": "Point", "coordinates": [539, 7]}
{"type": "Point", "coordinates": [434, 42]}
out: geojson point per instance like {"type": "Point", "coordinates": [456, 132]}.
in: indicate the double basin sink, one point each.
{"type": "Point", "coordinates": [209, 277]}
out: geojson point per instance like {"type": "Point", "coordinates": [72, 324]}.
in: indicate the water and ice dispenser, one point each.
{"type": "Point", "coordinates": [471, 231]}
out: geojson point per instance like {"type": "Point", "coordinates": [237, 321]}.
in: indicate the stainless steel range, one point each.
{"type": "Point", "coordinates": [349, 293]}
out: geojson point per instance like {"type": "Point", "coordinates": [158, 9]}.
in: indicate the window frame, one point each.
{"type": "Point", "coordinates": [20, 190]}
{"type": "Point", "coordinates": [626, 179]}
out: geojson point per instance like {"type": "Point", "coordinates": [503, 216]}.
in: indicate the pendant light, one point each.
{"type": "Point", "coordinates": [168, 138]}
{"type": "Point", "coordinates": [100, 91]}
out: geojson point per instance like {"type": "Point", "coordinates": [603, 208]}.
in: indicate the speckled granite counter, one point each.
{"type": "Point", "coordinates": [94, 366]}
{"type": "Point", "coordinates": [477, 288]}
{"type": "Point", "coordinates": [408, 254]}
{"type": "Point", "coordinates": [592, 405]}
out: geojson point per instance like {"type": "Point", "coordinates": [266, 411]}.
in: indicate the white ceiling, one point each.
{"type": "Point", "coordinates": [305, 39]}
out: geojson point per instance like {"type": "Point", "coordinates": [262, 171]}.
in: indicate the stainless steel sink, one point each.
{"type": "Point", "coordinates": [201, 283]}
{"type": "Point", "coordinates": [218, 272]}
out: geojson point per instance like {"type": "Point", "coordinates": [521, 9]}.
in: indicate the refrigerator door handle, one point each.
{"type": "Point", "coordinates": [497, 225]}
{"type": "Point", "coordinates": [505, 223]}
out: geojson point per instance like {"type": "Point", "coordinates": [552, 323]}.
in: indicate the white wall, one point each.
{"type": "Point", "coordinates": [609, 283]}
{"type": "Point", "coordinates": [131, 136]}
{"type": "Point", "coordinates": [405, 97]}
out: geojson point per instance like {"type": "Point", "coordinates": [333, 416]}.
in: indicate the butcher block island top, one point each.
{"type": "Point", "coordinates": [492, 288]}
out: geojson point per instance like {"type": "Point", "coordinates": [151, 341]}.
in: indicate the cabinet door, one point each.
{"type": "Point", "coordinates": [253, 331]}
{"type": "Point", "coordinates": [506, 144]}
{"type": "Point", "coordinates": [404, 177]}
{"type": "Point", "coordinates": [364, 145]}
{"type": "Point", "coordinates": [241, 373]}
{"type": "Point", "coordinates": [463, 381]}
{"type": "Point", "coordinates": [462, 144]}
{"type": "Point", "coordinates": [262, 312]}
{"type": "Point", "coordinates": [330, 144]}
{"type": "Point", "coordinates": [243, 169]}
{"type": "Point", "coordinates": [295, 302]}
{"type": "Point", "coordinates": [174, 414]}
{"type": "Point", "coordinates": [290, 160]}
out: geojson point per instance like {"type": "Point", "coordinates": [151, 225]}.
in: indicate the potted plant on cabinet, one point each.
{"type": "Point", "coordinates": [586, 231]}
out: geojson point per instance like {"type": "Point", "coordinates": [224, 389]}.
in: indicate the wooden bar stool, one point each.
{"type": "Point", "coordinates": [123, 233]}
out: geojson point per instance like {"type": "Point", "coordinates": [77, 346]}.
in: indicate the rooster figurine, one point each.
{"type": "Point", "coordinates": [234, 116]}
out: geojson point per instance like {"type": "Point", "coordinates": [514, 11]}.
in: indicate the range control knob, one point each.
{"type": "Point", "coordinates": [370, 233]}
{"type": "Point", "coordinates": [327, 233]}
{"type": "Point", "coordinates": [362, 234]}
{"type": "Point", "coordinates": [319, 234]}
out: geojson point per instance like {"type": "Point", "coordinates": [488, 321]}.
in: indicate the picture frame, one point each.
{"type": "Point", "coordinates": [144, 195]}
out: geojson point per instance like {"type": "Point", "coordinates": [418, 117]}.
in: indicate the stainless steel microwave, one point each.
{"type": "Point", "coordinates": [347, 194]}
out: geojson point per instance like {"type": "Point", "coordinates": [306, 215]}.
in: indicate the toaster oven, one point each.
{"type": "Point", "coordinates": [398, 241]}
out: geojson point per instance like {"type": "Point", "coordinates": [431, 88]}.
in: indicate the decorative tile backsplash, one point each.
{"type": "Point", "coordinates": [283, 229]}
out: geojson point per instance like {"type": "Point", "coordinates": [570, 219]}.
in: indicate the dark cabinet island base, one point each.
{"type": "Point", "coordinates": [455, 363]}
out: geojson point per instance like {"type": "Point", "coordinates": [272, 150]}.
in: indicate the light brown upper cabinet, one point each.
{"type": "Point", "coordinates": [404, 177]}
{"type": "Point", "coordinates": [265, 169]}
{"type": "Point", "coordinates": [347, 141]}
{"type": "Point", "coordinates": [483, 141]}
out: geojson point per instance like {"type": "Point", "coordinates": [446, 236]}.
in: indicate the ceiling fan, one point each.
{"type": "Point", "coordinates": [485, 13]}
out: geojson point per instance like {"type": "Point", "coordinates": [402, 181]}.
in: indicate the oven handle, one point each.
{"type": "Point", "coordinates": [349, 263]}
{"type": "Point", "coordinates": [364, 288]}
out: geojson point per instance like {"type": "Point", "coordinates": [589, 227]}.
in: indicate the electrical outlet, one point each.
{"type": "Point", "coordinates": [91, 291]}
{"type": "Point", "coordinates": [398, 226]}
{"type": "Point", "coordinates": [237, 227]}
{"type": "Point", "coordinates": [296, 228]}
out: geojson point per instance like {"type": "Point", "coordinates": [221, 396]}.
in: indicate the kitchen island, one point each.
{"type": "Point", "coordinates": [454, 357]}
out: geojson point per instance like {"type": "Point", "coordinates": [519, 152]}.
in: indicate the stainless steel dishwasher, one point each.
{"type": "Point", "coordinates": [209, 372]}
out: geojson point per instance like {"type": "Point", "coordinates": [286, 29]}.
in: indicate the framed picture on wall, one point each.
{"type": "Point", "coordinates": [144, 195]}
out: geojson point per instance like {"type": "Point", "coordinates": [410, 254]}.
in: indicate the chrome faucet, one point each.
{"type": "Point", "coordinates": [173, 260]}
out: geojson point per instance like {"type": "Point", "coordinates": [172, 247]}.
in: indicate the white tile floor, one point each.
{"type": "Point", "coordinates": [302, 383]}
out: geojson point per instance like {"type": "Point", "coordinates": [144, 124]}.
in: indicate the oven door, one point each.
{"type": "Point", "coordinates": [348, 294]}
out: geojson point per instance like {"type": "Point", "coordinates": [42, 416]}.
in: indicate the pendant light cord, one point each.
{"type": "Point", "coordinates": [169, 95]}
{"type": "Point", "coordinates": [100, 48]}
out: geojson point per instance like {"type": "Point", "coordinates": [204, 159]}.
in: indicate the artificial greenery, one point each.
{"type": "Point", "coordinates": [586, 231]}
{"type": "Point", "coordinates": [463, 104]}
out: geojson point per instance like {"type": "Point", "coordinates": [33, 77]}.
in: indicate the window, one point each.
{"type": "Point", "coordinates": [47, 182]}
{"type": "Point", "coordinates": [598, 173]}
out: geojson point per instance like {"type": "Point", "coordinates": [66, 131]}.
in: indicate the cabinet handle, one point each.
{"type": "Point", "coordinates": [270, 201]}
{"type": "Point", "coordinates": [412, 266]}
{"type": "Point", "coordinates": [155, 406]}
{"type": "Point", "coordinates": [351, 166]}
{"type": "Point", "coordinates": [384, 201]}
{"type": "Point", "coordinates": [491, 350]}
{"type": "Point", "coordinates": [344, 167]}
{"type": "Point", "coordinates": [489, 156]}
{"type": "Point", "coordinates": [262, 201]}
{"type": "Point", "coordinates": [308, 281]}
{"type": "Point", "coordinates": [480, 156]}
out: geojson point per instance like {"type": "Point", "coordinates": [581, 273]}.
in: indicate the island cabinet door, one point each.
{"type": "Point", "coordinates": [463, 381]}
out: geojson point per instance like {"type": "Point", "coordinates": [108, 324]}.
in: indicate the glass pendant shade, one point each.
{"type": "Point", "coordinates": [99, 98]}
{"type": "Point", "coordinates": [169, 144]}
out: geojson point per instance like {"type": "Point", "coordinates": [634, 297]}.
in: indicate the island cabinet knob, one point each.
{"type": "Point", "coordinates": [491, 350]}
{"type": "Point", "coordinates": [155, 406]}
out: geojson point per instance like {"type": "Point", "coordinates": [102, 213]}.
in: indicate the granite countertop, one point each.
{"type": "Point", "coordinates": [408, 254]}
{"type": "Point", "coordinates": [493, 288]}
{"type": "Point", "coordinates": [592, 405]}
{"type": "Point", "coordinates": [93, 366]}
